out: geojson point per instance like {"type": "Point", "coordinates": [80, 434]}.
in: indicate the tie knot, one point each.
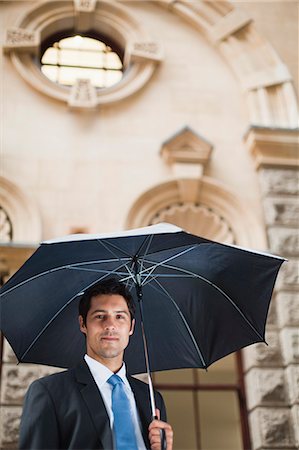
{"type": "Point", "coordinates": [114, 380]}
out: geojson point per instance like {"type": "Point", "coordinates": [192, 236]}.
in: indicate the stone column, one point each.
{"type": "Point", "coordinates": [272, 373]}
{"type": "Point", "coordinates": [15, 379]}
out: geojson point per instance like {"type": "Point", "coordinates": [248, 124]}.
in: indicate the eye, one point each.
{"type": "Point", "coordinates": [120, 316]}
{"type": "Point", "coordinates": [100, 316]}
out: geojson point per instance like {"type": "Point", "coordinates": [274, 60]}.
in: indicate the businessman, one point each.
{"type": "Point", "coordinates": [96, 405]}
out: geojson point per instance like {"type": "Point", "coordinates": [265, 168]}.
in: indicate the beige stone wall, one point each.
{"type": "Point", "coordinates": [86, 169]}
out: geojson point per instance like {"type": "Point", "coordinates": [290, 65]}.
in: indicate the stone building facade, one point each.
{"type": "Point", "coordinates": [202, 131]}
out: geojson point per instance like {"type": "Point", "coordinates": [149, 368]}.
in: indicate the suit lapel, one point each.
{"type": "Point", "coordinates": [142, 400]}
{"type": "Point", "coordinates": [95, 405]}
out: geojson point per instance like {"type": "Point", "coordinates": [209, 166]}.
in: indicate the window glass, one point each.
{"type": "Point", "coordinates": [180, 414]}
{"type": "Point", "coordinates": [219, 420]}
{"type": "Point", "coordinates": [78, 57]}
{"type": "Point", "coordinates": [223, 371]}
{"type": "Point", "coordinates": [171, 377]}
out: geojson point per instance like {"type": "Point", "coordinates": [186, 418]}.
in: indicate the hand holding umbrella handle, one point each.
{"type": "Point", "coordinates": [162, 435]}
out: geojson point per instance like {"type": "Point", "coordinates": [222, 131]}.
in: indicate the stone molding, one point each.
{"type": "Point", "coordinates": [273, 147]}
{"type": "Point", "coordinates": [268, 87]}
{"type": "Point", "coordinates": [110, 18]}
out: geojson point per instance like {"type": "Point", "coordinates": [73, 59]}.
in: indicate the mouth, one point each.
{"type": "Point", "coordinates": [109, 338]}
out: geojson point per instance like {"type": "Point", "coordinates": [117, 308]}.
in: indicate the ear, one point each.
{"type": "Point", "coordinates": [132, 327]}
{"type": "Point", "coordinates": [82, 325]}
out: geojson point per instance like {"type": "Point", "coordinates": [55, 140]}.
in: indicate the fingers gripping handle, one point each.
{"type": "Point", "coordinates": [162, 435]}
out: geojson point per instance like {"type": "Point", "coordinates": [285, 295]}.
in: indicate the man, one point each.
{"type": "Point", "coordinates": [96, 405]}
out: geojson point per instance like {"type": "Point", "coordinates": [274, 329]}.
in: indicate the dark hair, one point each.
{"type": "Point", "coordinates": [109, 286]}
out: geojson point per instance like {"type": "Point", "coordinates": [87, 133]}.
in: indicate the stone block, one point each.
{"type": "Point", "coordinates": [292, 375]}
{"type": "Point", "coordinates": [281, 211]}
{"type": "Point", "coordinates": [16, 380]}
{"type": "Point", "coordinates": [290, 345]}
{"type": "Point", "coordinates": [9, 426]}
{"type": "Point", "coordinates": [272, 428]}
{"type": "Point", "coordinates": [266, 387]}
{"type": "Point", "coordinates": [284, 241]}
{"type": "Point", "coordinates": [8, 353]}
{"type": "Point", "coordinates": [295, 416]}
{"type": "Point", "coordinates": [288, 277]}
{"type": "Point", "coordinates": [279, 181]}
{"type": "Point", "coordinates": [287, 308]}
{"type": "Point", "coordinates": [261, 355]}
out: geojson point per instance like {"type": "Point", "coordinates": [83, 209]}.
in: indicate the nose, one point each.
{"type": "Point", "coordinates": [110, 323]}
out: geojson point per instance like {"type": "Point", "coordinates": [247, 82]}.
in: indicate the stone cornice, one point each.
{"type": "Point", "coordinates": [276, 147]}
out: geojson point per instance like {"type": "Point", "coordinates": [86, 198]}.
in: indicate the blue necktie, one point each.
{"type": "Point", "coordinates": [124, 432]}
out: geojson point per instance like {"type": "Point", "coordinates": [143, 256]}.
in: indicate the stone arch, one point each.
{"type": "Point", "coordinates": [22, 212]}
{"type": "Point", "coordinates": [265, 80]}
{"type": "Point", "coordinates": [217, 213]}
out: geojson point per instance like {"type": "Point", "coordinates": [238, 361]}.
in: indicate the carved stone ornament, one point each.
{"type": "Point", "coordinates": [265, 387]}
{"type": "Point", "coordinates": [9, 426]}
{"type": "Point", "coordinates": [287, 307]}
{"type": "Point", "coordinates": [279, 181]}
{"type": "Point", "coordinates": [281, 211]}
{"type": "Point", "coordinates": [144, 50]}
{"type": "Point", "coordinates": [85, 5]}
{"type": "Point", "coordinates": [83, 94]}
{"type": "Point", "coordinates": [272, 428]}
{"type": "Point", "coordinates": [284, 241]}
{"type": "Point", "coordinates": [290, 345]}
{"type": "Point", "coordinates": [197, 219]}
{"type": "Point", "coordinates": [21, 39]}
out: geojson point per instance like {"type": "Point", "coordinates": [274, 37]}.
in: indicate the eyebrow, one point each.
{"type": "Point", "coordinates": [107, 311]}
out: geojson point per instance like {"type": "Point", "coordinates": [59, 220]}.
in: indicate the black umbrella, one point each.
{"type": "Point", "coordinates": [200, 300]}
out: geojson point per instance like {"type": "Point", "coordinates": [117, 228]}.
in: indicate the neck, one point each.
{"type": "Point", "coordinates": [113, 364]}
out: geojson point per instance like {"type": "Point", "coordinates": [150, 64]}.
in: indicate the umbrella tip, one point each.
{"type": "Point", "coordinates": [265, 342]}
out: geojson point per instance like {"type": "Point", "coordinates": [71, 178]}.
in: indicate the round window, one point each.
{"type": "Point", "coordinates": [66, 59]}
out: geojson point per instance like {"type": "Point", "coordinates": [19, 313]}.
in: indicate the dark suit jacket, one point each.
{"type": "Point", "coordinates": [66, 411]}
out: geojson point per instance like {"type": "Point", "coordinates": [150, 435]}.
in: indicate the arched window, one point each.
{"type": "Point", "coordinates": [6, 230]}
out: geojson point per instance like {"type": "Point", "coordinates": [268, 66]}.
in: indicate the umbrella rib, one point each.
{"type": "Point", "coordinates": [61, 309]}
{"type": "Point", "coordinates": [106, 246]}
{"type": "Point", "coordinates": [116, 247]}
{"type": "Point", "coordinates": [162, 263]}
{"type": "Point", "coordinates": [55, 269]}
{"type": "Point", "coordinates": [184, 321]}
{"type": "Point", "coordinates": [221, 292]}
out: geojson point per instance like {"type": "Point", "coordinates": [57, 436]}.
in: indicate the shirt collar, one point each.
{"type": "Point", "coordinates": [101, 373]}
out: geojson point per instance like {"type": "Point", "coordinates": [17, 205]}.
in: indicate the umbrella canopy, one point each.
{"type": "Point", "coordinates": [201, 300]}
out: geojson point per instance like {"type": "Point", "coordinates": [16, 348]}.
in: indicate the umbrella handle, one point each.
{"type": "Point", "coordinates": [163, 439]}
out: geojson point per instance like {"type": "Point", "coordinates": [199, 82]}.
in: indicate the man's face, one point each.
{"type": "Point", "coordinates": [107, 329]}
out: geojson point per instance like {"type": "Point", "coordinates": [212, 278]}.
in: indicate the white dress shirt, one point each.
{"type": "Point", "coordinates": [101, 374]}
